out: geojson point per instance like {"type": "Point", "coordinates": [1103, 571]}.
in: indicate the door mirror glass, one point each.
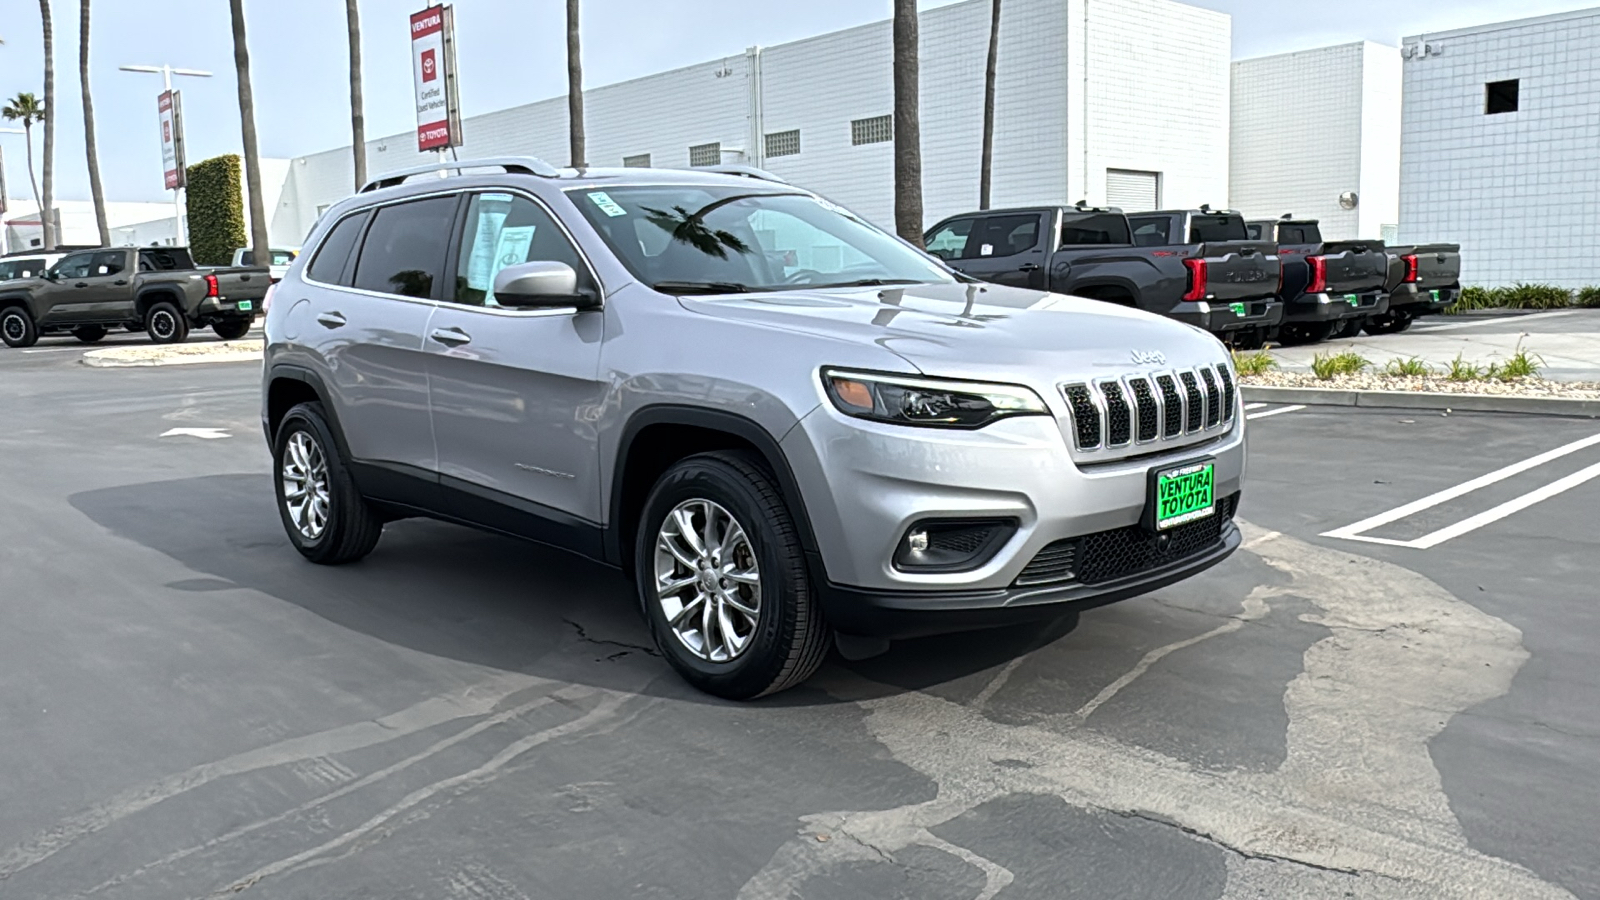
{"type": "Point", "coordinates": [542, 284]}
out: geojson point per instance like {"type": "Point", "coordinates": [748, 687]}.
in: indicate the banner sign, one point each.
{"type": "Point", "coordinates": [433, 66]}
{"type": "Point", "coordinates": [170, 105]}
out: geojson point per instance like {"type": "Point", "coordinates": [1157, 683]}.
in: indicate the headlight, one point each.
{"type": "Point", "coordinates": [929, 403]}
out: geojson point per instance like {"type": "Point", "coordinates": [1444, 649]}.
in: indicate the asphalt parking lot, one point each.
{"type": "Point", "coordinates": [1408, 708]}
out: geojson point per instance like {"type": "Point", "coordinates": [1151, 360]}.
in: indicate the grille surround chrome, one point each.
{"type": "Point", "coordinates": [1213, 388]}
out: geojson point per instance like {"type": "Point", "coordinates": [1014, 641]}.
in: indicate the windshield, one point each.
{"type": "Point", "coordinates": [728, 239]}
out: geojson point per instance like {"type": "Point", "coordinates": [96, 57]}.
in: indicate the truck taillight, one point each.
{"type": "Point", "coordinates": [1319, 274]}
{"type": "Point", "coordinates": [1411, 268]}
{"type": "Point", "coordinates": [1197, 279]}
{"type": "Point", "coordinates": [212, 288]}
{"type": "Point", "coordinates": [266, 302]}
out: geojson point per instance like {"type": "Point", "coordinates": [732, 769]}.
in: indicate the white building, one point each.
{"type": "Point", "coordinates": [1317, 133]}
{"type": "Point", "coordinates": [1501, 148]}
{"type": "Point", "coordinates": [1120, 100]}
{"type": "Point", "coordinates": [130, 223]}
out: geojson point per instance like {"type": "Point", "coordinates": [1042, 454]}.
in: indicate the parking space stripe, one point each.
{"type": "Point", "coordinates": [1250, 406]}
{"type": "Point", "coordinates": [1495, 320]}
{"type": "Point", "coordinates": [1274, 412]}
{"type": "Point", "coordinates": [1356, 532]}
{"type": "Point", "coordinates": [1489, 516]}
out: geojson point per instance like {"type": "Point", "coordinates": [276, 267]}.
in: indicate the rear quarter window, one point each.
{"type": "Point", "coordinates": [1152, 232]}
{"type": "Point", "coordinates": [329, 265]}
{"type": "Point", "coordinates": [1211, 229]}
{"type": "Point", "coordinates": [1102, 229]}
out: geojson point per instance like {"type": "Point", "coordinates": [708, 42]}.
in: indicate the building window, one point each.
{"type": "Point", "coordinates": [706, 155]}
{"type": "Point", "coordinates": [783, 143]}
{"type": "Point", "coordinates": [1502, 96]}
{"type": "Point", "coordinates": [875, 130]}
{"type": "Point", "coordinates": [642, 161]}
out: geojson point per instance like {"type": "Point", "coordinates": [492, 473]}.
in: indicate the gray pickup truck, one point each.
{"type": "Point", "coordinates": [157, 290]}
{"type": "Point", "coordinates": [1222, 286]}
{"type": "Point", "coordinates": [1329, 288]}
{"type": "Point", "coordinates": [1424, 280]}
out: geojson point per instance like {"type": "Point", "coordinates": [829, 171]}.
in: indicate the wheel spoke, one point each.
{"type": "Point", "coordinates": [747, 576]}
{"type": "Point", "coordinates": [707, 616]}
{"type": "Point", "coordinates": [670, 544]}
{"type": "Point", "coordinates": [687, 609]}
{"type": "Point", "coordinates": [732, 537]}
{"type": "Point", "coordinates": [731, 642]}
{"type": "Point", "coordinates": [737, 602]}
{"type": "Point", "coordinates": [668, 585]}
{"type": "Point", "coordinates": [685, 522]}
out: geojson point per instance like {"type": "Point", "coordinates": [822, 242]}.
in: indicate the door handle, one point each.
{"type": "Point", "coordinates": [81, 284]}
{"type": "Point", "coordinates": [1028, 267]}
{"type": "Point", "coordinates": [331, 320]}
{"type": "Point", "coordinates": [453, 337]}
{"type": "Point", "coordinates": [120, 281]}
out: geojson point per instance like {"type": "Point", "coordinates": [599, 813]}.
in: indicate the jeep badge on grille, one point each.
{"type": "Point", "coordinates": [1149, 358]}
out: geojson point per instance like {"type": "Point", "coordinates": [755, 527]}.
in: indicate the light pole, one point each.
{"type": "Point", "coordinates": [166, 72]}
{"type": "Point", "coordinates": [5, 197]}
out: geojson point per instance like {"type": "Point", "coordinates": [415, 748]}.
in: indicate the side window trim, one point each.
{"type": "Point", "coordinates": [453, 261]}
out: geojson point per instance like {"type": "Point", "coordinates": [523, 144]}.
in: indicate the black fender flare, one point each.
{"type": "Point", "coordinates": [290, 372]}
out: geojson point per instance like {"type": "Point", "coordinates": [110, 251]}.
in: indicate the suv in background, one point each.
{"type": "Point", "coordinates": [28, 266]}
{"type": "Point", "coordinates": [783, 423]}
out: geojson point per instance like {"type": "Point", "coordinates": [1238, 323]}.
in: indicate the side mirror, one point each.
{"type": "Point", "coordinates": [541, 285]}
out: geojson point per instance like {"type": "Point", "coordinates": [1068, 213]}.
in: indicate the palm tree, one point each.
{"type": "Point", "coordinates": [575, 88]}
{"type": "Point", "coordinates": [358, 115]}
{"type": "Point", "coordinates": [247, 122]}
{"type": "Point", "coordinates": [26, 108]}
{"type": "Point", "coordinates": [986, 168]}
{"type": "Point", "coordinates": [907, 125]}
{"type": "Point", "coordinates": [96, 190]}
{"type": "Point", "coordinates": [47, 198]}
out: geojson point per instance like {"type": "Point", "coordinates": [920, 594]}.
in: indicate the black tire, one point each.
{"type": "Point", "coordinates": [1306, 333]}
{"type": "Point", "coordinates": [789, 638]}
{"type": "Point", "coordinates": [134, 327]}
{"type": "Point", "coordinates": [17, 328]}
{"type": "Point", "coordinates": [1389, 323]}
{"type": "Point", "coordinates": [89, 334]}
{"type": "Point", "coordinates": [231, 329]}
{"type": "Point", "coordinates": [166, 324]}
{"type": "Point", "coordinates": [1250, 339]}
{"type": "Point", "coordinates": [351, 529]}
{"type": "Point", "coordinates": [1349, 328]}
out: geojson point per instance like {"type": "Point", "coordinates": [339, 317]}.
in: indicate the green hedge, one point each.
{"type": "Point", "coordinates": [1526, 296]}
{"type": "Point", "coordinates": [1589, 297]}
{"type": "Point", "coordinates": [216, 210]}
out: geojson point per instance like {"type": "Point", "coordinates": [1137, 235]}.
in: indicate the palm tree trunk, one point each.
{"type": "Point", "coordinates": [247, 121]}
{"type": "Point", "coordinates": [33, 177]}
{"type": "Point", "coordinates": [907, 124]}
{"type": "Point", "coordinates": [358, 115]}
{"type": "Point", "coordinates": [575, 88]}
{"type": "Point", "coordinates": [986, 172]}
{"type": "Point", "coordinates": [47, 197]}
{"type": "Point", "coordinates": [96, 189]}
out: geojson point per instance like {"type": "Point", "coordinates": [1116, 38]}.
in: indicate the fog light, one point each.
{"type": "Point", "coordinates": [917, 540]}
{"type": "Point", "coordinates": [952, 545]}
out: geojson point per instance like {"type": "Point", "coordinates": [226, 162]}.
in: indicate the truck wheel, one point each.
{"type": "Point", "coordinates": [723, 580]}
{"type": "Point", "coordinates": [231, 329]}
{"type": "Point", "coordinates": [89, 333]}
{"type": "Point", "coordinates": [166, 324]}
{"type": "Point", "coordinates": [324, 514]}
{"type": "Point", "coordinates": [1349, 328]}
{"type": "Point", "coordinates": [1306, 333]}
{"type": "Point", "coordinates": [17, 328]}
{"type": "Point", "coordinates": [1389, 323]}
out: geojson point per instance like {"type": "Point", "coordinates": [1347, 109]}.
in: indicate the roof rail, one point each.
{"type": "Point", "coordinates": [742, 171]}
{"type": "Point", "coordinates": [515, 165]}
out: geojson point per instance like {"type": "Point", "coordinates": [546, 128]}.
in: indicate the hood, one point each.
{"type": "Point", "coordinates": [980, 331]}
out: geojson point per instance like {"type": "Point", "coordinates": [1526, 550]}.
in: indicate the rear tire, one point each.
{"type": "Point", "coordinates": [1389, 323]}
{"type": "Point", "coordinates": [1306, 333]}
{"type": "Point", "coordinates": [1251, 339]}
{"type": "Point", "coordinates": [89, 334]}
{"type": "Point", "coordinates": [231, 329]}
{"type": "Point", "coordinates": [166, 324]}
{"type": "Point", "coordinates": [764, 570]}
{"type": "Point", "coordinates": [1349, 328]}
{"type": "Point", "coordinates": [324, 514]}
{"type": "Point", "coordinates": [17, 328]}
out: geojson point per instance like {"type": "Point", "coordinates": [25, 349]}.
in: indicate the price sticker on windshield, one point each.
{"type": "Point", "coordinates": [606, 204]}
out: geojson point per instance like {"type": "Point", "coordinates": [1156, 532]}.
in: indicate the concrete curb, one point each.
{"type": "Point", "coordinates": [175, 355]}
{"type": "Point", "coordinates": [1534, 406]}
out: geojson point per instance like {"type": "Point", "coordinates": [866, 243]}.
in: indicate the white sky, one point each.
{"type": "Point", "coordinates": [511, 52]}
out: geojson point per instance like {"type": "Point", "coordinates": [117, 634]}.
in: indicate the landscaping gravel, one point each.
{"type": "Point", "coordinates": [1438, 384]}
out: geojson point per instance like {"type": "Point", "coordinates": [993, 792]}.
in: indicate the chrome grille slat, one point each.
{"type": "Point", "coordinates": [1171, 406]}
{"type": "Point", "coordinates": [1194, 407]}
{"type": "Point", "coordinates": [1213, 398]}
{"type": "Point", "coordinates": [1147, 426]}
{"type": "Point", "coordinates": [1114, 414]}
{"type": "Point", "coordinates": [1119, 413]}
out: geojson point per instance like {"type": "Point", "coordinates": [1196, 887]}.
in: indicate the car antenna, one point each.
{"type": "Point", "coordinates": [1286, 217]}
{"type": "Point", "coordinates": [1081, 205]}
{"type": "Point", "coordinates": [1205, 207]}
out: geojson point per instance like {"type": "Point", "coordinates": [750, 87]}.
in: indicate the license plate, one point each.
{"type": "Point", "coordinates": [1239, 309]}
{"type": "Point", "coordinates": [1183, 494]}
{"type": "Point", "coordinates": [1435, 296]}
{"type": "Point", "coordinates": [246, 306]}
{"type": "Point", "coordinates": [1353, 299]}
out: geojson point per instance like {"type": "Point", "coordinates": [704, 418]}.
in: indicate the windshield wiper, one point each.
{"type": "Point", "coordinates": [702, 287]}
{"type": "Point", "coordinates": [865, 282]}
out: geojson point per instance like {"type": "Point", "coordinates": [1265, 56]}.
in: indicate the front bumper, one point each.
{"type": "Point", "coordinates": [1314, 308]}
{"type": "Point", "coordinates": [1225, 318]}
{"type": "Point", "coordinates": [1413, 301]}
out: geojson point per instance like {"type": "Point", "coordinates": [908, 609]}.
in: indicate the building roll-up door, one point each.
{"type": "Point", "coordinates": [1133, 191]}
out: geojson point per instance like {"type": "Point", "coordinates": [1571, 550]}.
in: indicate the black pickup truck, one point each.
{"type": "Point", "coordinates": [1223, 286]}
{"type": "Point", "coordinates": [153, 289]}
{"type": "Point", "coordinates": [1330, 288]}
{"type": "Point", "coordinates": [1423, 280]}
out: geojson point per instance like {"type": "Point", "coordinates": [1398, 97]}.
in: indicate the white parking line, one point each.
{"type": "Point", "coordinates": [1274, 412]}
{"type": "Point", "coordinates": [1250, 406]}
{"type": "Point", "coordinates": [1357, 531]}
{"type": "Point", "coordinates": [54, 350]}
{"type": "Point", "coordinates": [1492, 320]}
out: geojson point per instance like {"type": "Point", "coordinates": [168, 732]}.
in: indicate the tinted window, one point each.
{"type": "Point", "coordinates": [949, 241]}
{"type": "Point", "coordinates": [1153, 232]}
{"type": "Point", "coordinates": [110, 263]}
{"type": "Point", "coordinates": [1009, 235]}
{"type": "Point", "coordinates": [21, 268]}
{"type": "Point", "coordinates": [328, 266]}
{"type": "Point", "coordinates": [77, 265]}
{"type": "Point", "coordinates": [1255, 230]}
{"type": "Point", "coordinates": [405, 248]}
{"type": "Point", "coordinates": [1209, 229]}
{"type": "Point", "coordinates": [503, 230]}
{"type": "Point", "coordinates": [1094, 229]}
{"type": "Point", "coordinates": [164, 260]}
{"type": "Point", "coordinates": [1299, 234]}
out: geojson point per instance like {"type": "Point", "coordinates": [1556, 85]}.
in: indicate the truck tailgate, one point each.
{"type": "Point", "coordinates": [242, 283]}
{"type": "Point", "coordinates": [1355, 267]}
{"type": "Point", "coordinates": [1240, 270]}
{"type": "Point", "coordinates": [1438, 265]}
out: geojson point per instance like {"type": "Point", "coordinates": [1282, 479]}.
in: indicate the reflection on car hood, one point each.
{"type": "Point", "coordinates": [980, 331]}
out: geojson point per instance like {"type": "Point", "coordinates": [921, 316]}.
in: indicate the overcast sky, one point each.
{"type": "Point", "coordinates": [511, 52]}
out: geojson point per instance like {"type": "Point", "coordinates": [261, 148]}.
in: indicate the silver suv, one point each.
{"type": "Point", "coordinates": [788, 427]}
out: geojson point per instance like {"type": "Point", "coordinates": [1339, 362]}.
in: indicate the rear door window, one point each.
{"type": "Point", "coordinates": [1211, 229]}
{"type": "Point", "coordinates": [1152, 232]}
{"type": "Point", "coordinates": [1094, 229]}
{"type": "Point", "coordinates": [950, 240]}
{"type": "Point", "coordinates": [111, 262]}
{"type": "Point", "coordinates": [405, 249]}
{"type": "Point", "coordinates": [332, 259]}
{"type": "Point", "coordinates": [1007, 236]}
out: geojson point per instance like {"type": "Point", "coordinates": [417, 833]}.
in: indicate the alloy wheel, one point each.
{"type": "Point", "coordinates": [163, 324]}
{"type": "Point", "coordinates": [707, 580]}
{"type": "Point", "coordinates": [305, 485]}
{"type": "Point", "coordinates": [14, 327]}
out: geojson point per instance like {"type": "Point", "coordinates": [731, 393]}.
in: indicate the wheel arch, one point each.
{"type": "Point", "coordinates": [151, 296]}
{"type": "Point", "coordinates": [289, 386]}
{"type": "Point", "coordinates": [1122, 293]}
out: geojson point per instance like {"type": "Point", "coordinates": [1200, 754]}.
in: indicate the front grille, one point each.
{"type": "Point", "coordinates": [1165, 406]}
{"type": "Point", "coordinates": [1124, 552]}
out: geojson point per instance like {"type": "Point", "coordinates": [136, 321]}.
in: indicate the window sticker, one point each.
{"type": "Point", "coordinates": [986, 250]}
{"type": "Point", "coordinates": [492, 212]}
{"type": "Point", "coordinates": [606, 204]}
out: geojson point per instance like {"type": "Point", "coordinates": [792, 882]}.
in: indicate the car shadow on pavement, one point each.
{"type": "Point", "coordinates": [479, 598]}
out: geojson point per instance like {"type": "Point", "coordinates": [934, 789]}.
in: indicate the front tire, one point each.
{"type": "Point", "coordinates": [89, 334]}
{"type": "Point", "coordinates": [17, 328]}
{"type": "Point", "coordinates": [166, 324]}
{"type": "Point", "coordinates": [722, 576]}
{"type": "Point", "coordinates": [1389, 323]}
{"type": "Point", "coordinates": [323, 513]}
{"type": "Point", "coordinates": [231, 329]}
